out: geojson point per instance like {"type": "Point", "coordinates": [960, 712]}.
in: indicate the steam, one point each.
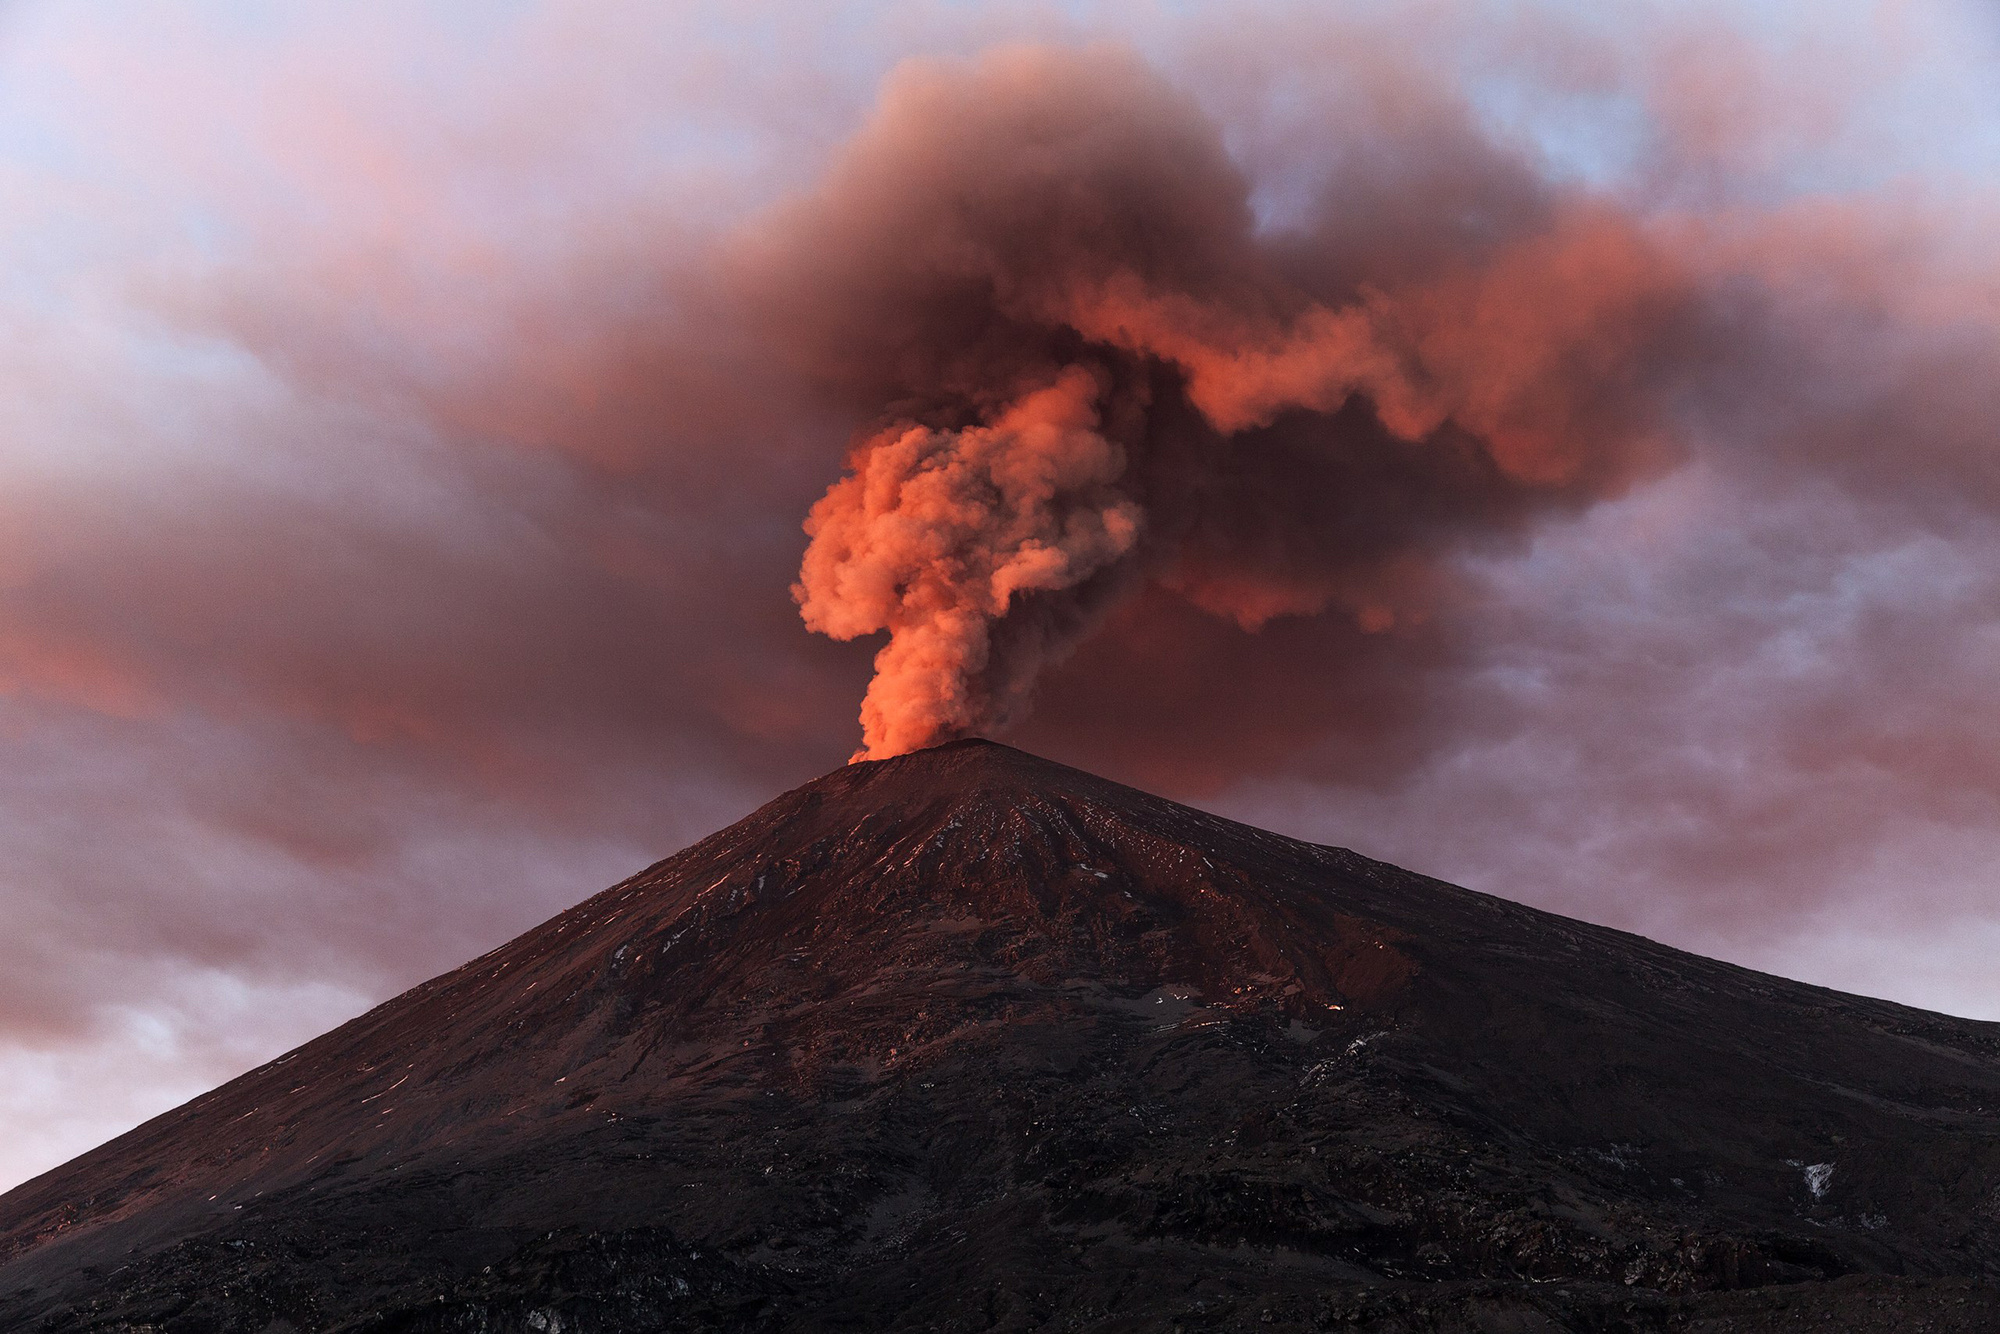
{"type": "Point", "coordinates": [1094, 373]}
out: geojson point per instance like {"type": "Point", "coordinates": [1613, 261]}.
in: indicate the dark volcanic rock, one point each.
{"type": "Point", "coordinates": [966, 1040]}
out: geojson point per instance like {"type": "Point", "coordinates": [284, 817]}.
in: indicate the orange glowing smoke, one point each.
{"type": "Point", "coordinates": [934, 535]}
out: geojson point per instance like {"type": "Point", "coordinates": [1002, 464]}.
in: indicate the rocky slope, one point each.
{"type": "Point", "coordinates": [967, 1040]}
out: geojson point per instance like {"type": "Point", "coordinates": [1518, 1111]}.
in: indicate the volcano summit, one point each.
{"type": "Point", "coordinates": [968, 1040]}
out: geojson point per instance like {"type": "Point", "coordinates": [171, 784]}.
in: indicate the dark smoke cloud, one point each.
{"type": "Point", "coordinates": [1092, 371]}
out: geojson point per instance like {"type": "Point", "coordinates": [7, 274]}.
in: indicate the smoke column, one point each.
{"type": "Point", "coordinates": [1113, 379]}
{"type": "Point", "coordinates": [936, 534]}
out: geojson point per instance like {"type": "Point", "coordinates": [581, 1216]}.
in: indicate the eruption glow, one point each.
{"type": "Point", "coordinates": [937, 533]}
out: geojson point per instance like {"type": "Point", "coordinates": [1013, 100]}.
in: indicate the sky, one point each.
{"type": "Point", "coordinates": [453, 455]}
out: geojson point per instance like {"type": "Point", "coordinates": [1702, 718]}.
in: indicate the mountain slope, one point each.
{"type": "Point", "coordinates": [969, 1040]}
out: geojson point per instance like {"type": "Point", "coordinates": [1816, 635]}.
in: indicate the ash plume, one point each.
{"type": "Point", "coordinates": [1095, 372]}
{"type": "Point", "coordinates": [935, 535]}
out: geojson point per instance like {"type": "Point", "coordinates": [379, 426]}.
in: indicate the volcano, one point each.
{"type": "Point", "coordinates": [967, 1040]}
